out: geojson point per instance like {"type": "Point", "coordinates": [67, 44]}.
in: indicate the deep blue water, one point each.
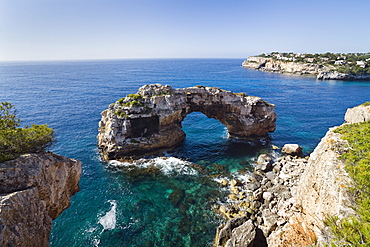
{"type": "Point", "coordinates": [121, 207]}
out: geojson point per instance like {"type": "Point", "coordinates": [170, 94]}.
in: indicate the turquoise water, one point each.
{"type": "Point", "coordinates": [167, 202]}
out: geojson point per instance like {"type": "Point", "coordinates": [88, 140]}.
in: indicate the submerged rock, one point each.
{"type": "Point", "coordinates": [34, 190]}
{"type": "Point", "coordinates": [151, 119]}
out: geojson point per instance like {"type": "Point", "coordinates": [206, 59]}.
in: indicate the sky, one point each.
{"type": "Point", "coordinates": [130, 29]}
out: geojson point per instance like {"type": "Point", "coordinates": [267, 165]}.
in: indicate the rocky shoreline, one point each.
{"type": "Point", "coordinates": [262, 203]}
{"type": "Point", "coordinates": [321, 72]}
{"type": "Point", "coordinates": [286, 200]}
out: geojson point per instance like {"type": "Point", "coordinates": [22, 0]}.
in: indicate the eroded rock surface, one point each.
{"type": "Point", "coordinates": [289, 198]}
{"type": "Point", "coordinates": [151, 119]}
{"type": "Point", "coordinates": [358, 114]}
{"type": "Point", "coordinates": [34, 190]}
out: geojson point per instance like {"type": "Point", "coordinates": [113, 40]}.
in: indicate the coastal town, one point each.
{"type": "Point", "coordinates": [339, 66]}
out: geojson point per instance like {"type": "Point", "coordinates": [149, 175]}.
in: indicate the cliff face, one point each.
{"type": "Point", "coordinates": [298, 195]}
{"type": "Point", "coordinates": [34, 190]}
{"type": "Point", "coordinates": [272, 65]}
{"type": "Point", "coordinates": [151, 119]}
{"type": "Point", "coordinates": [320, 71]}
{"type": "Point", "coordinates": [321, 191]}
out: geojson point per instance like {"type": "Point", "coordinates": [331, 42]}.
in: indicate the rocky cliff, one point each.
{"type": "Point", "coordinates": [287, 201]}
{"type": "Point", "coordinates": [34, 190]}
{"type": "Point", "coordinates": [322, 72]}
{"type": "Point", "coordinates": [151, 119]}
{"type": "Point", "coordinates": [272, 65]}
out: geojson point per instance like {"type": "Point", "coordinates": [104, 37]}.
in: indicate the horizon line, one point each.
{"type": "Point", "coordinates": [111, 59]}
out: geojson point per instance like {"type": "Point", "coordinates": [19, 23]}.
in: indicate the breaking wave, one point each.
{"type": "Point", "coordinates": [167, 165]}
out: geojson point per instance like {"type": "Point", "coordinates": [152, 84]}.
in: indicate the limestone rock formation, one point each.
{"type": "Point", "coordinates": [322, 72]}
{"type": "Point", "coordinates": [272, 65]}
{"type": "Point", "coordinates": [151, 119]}
{"type": "Point", "coordinates": [335, 75]}
{"type": "Point", "coordinates": [358, 114]}
{"type": "Point", "coordinates": [34, 190]}
{"type": "Point", "coordinates": [290, 201]}
{"type": "Point", "coordinates": [292, 149]}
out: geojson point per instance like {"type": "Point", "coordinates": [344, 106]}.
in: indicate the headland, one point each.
{"type": "Point", "coordinates": [327, 66]}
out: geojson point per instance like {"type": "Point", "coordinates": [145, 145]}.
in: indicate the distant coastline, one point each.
{"type": "Point", "coordinates": [327, 66]}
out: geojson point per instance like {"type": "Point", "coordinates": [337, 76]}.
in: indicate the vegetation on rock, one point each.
{"type": "Point", "coordinates": [15, 141]}
{"type": "Point", "coordinates": [356, 230]}
{"type": "Point", "coordinates": [347, 63]}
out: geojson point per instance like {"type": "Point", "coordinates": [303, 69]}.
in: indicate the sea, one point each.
{"type": "Point", "coordinates": [172, 205]}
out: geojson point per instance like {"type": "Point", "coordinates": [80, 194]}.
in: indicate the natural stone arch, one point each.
{"type": "Point", "coordinates": [151, 119]}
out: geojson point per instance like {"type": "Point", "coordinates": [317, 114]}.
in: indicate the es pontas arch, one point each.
{"type": "Point", "coordinates": [151, 119]}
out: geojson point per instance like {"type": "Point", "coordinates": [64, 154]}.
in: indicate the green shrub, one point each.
{"type": "Point", "coordinates": [15, 141]}
{"type": "Point", "coordinates": [121, 114]}
{"type": "Point", "coordinates": [133, 103]}
{"type": "Point", "coordinates": [356, 231]}
{"type": "Point", "coordinates": [135, 96]}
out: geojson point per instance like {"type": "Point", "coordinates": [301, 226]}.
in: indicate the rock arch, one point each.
{"type": "Point", "coordinates": [151, 119]}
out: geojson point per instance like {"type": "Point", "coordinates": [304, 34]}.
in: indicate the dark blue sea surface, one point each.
{"type": "Point", "coordinates": [172, 205]}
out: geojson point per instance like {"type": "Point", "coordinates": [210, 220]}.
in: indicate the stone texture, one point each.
{"type": "Point", "coordinates": [357, 114]}
{"type": "Point", "coordinates": [151, 119]}
{"type": "Point", "coordinates": [299, 193]}
{"type": "Point", "coordinates": [335, 75]}
{"type": "Point", "coordinates": [34, 190]}
{"type": "Point", "coordinates": [292, 149]}
{"type": "Point", "coordinates": [243, 236]}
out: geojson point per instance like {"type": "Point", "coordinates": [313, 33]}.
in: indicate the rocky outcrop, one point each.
{"type": "Point", "coordinates": [358, 114]}
{"type": "Point", "coordinates": [292, 149]}
{"type": "Point", "coordinates": [272, 65]}
{"type": "Point", "coordinates": [265, 198]}
{"type": "Point", "coordinates": [322, 72]}
{"type": "Point", "coordinates": [151, 119]}
{"type": "Point", "coordinates": [34, 190]}
{"type": "Point", "coordinates": [290, 198]}
{"type": "Point", "coordinates": [335, 75]}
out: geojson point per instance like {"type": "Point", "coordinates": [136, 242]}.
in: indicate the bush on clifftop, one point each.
{"type": "Point", "coordinates": [15, 141]}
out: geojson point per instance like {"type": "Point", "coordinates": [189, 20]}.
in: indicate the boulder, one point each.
{"type": "Point", "coordinates": [243, 236]}
{"type": "Point", "coordinates": [358, 114]}
{"type": "Point", "coordinates": [264, 163]}
{"type": "Point", "coordinates": [292, 149]}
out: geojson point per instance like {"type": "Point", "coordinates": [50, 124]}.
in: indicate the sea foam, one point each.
{"type": "Point", "coordinates": [108, 221]}
{"type": "Point", "coordinates": [167, 165]}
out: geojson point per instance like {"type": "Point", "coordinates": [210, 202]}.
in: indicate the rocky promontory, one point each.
{"type": "Point", "coordinates": [326, 66]}
{"type": "Point", "coordinates": [286, 200]}
{"type": "Point", "coordinates": [273, 65]}
{"type": "Point", "coordinates": [34, 190]}
{"type": "Point", "coordinates": [151, 119]}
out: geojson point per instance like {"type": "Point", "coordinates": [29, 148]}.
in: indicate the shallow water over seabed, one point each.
{"type": "Point", "coordinates": [169, 200]}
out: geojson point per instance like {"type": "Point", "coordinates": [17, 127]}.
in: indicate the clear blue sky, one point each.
{"type": "Point", "coordinates": [114, 29]}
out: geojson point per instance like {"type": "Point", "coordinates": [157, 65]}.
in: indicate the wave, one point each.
{"type": "Point", "coordinates": [108, 221]}
{"type": "Point", "coordinates": [167, 165]}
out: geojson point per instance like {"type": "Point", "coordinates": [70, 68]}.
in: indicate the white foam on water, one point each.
{"type": "Point", "coordinates": [108, 221]}
{"type": "Point", "coordinates": [167, 165]}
